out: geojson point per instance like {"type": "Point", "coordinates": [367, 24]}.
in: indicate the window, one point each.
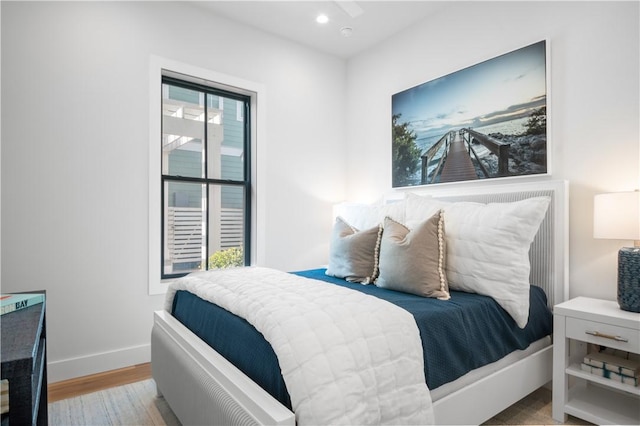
{"type": "Point", "coordinates": [225, 86]}
{"type": "Point", "coordinates": [206, 177]}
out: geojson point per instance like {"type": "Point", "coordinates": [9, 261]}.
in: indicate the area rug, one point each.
{"type": "Point", "coordinates": [132, 404]}
{"type": "Point", "coordinates": [138, 404]}
{"type": "Point", "coordinates": [534, 409]}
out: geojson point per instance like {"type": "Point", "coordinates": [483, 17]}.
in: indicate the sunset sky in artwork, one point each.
{"type": "Point", "coordinates": [495, 90]}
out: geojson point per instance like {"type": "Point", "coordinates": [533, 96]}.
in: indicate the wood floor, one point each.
{"type": "Point", "coordinates": [533, 409]}
{"type": "Point", "coordinates": [96, 382]}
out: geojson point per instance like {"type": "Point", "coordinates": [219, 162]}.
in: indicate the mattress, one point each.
{"type": "Point", "coordinates": [459, 335]}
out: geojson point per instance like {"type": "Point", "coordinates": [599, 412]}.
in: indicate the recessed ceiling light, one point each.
{"type": "Point", "coordinates": [322, 19]}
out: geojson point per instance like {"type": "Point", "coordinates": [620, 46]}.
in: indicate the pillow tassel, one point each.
{"type": "Point", "coordinates": [441, 262]}
{"type": "Point", "coordinates": [376, 256]}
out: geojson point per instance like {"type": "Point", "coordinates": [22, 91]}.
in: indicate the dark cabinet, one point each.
{"type": "Point", "coordinates": [24, 364]}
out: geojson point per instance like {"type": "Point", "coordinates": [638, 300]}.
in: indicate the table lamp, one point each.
{"type": "Point", "coordinates": [617, 216]}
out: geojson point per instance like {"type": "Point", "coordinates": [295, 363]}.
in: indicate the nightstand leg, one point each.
{"type": "Point", "coordinates": [560, 360]}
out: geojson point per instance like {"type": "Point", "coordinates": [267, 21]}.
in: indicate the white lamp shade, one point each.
{"type": "Point", "coordinates": [617, 216]}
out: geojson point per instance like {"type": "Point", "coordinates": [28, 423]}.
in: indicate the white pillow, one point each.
{"type": "Point", "coordinates": [487, 246]}
{"type": "Point", "coordinates": [365, 216]}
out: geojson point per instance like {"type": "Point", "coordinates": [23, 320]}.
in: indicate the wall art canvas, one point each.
{"type": "Point", "coordinates": [485, 121]}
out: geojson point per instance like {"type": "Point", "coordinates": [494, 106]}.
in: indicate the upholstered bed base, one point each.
{"type": "Point", "coordinates": [201, 386]}
{"type": "Point", "coordinates": [204, 388]}
{"type": "Point", "coordinates": [486, 397]}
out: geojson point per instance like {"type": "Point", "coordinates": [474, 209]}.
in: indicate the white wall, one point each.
{"type": "Point", "coordinates": [75, 140]}
{"type": "Point", "coordinates": [594, 103]}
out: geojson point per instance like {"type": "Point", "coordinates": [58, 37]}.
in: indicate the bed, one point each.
{"type": "Point", "coordinates": [202, 387]}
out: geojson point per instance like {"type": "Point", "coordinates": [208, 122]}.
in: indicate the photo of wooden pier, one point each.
{"type": "Point", "coordinates": [485, 121]}
{"type": "Point", "coordinates": [456, 164]}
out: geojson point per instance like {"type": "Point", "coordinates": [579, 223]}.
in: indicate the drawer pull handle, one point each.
{"type": "Point", "coordinates": [607, 336]}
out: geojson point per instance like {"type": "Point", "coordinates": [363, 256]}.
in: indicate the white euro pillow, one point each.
{"type": "Point", "coordinates": [365, 216]}
{"type": "Point", "coordinates": [487, 246]}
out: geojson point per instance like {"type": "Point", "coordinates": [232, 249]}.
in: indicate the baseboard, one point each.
{"type": "Point", "coordinates": [97, 363]}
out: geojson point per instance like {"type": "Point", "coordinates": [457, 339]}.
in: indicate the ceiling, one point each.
{"type": "Point", "coordinates": [370, 21]}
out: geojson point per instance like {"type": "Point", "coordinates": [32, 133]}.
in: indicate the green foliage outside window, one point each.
{"type": "Point", "coordinates": [228, 258]}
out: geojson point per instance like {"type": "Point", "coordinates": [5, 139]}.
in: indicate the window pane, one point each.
{"type": "Point", "coordinates": [204, 149]}
{"type": "Point", "coordinates": [182, 131]}
{"type": "Point", "coordinates": [226, 226]}
{"type": "Point", "coordinates": [184, 227]}
{"type": "Point", "coordinates": [226, 138]}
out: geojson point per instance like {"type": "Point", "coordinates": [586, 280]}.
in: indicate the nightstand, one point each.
{"type": "Point", "coordinates": [577, 323]}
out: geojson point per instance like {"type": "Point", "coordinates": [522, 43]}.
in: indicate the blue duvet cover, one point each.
{"type": "Point", "coordinates": [458, 335]}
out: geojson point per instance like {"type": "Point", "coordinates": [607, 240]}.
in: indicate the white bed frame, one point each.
{"type": "Point", "coordinates": [203, 388]}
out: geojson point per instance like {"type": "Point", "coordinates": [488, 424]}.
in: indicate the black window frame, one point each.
{"type": "Point", "coordinates": [246, 183]}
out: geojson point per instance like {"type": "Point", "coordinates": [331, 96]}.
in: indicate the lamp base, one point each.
{"type": "Point", "coordinates": [629, 279]}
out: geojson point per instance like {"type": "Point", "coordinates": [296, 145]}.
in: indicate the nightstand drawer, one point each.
{"type": "Point", "coordinates": [612, 336]}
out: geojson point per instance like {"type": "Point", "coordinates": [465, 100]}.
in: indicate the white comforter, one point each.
{"type": "Point", "coordinates": [346, 357]}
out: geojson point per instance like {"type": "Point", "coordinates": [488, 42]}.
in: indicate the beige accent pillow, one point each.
{"type": "Point", "coordinates": [413, 261]}
{"type": "Point", "coordinates": [353, 254]}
